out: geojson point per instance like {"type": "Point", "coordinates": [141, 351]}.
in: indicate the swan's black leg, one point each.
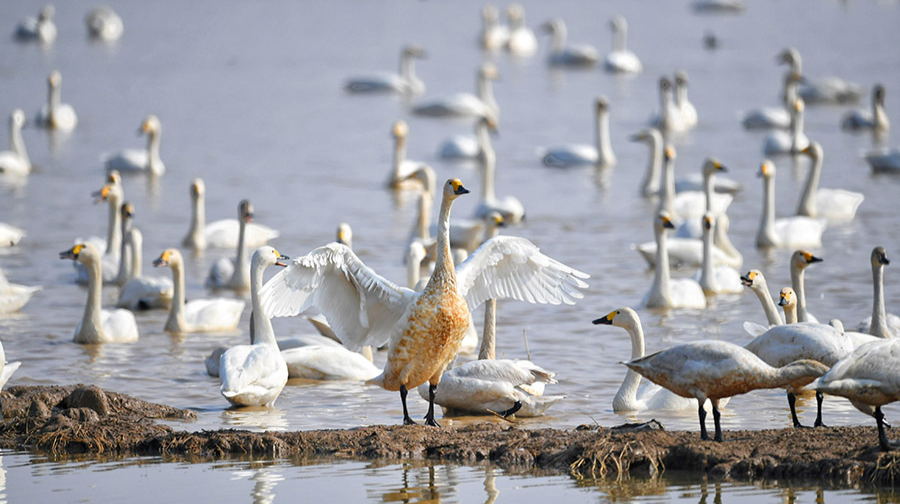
{"type": "Point", "coordinates": [406, 419]}
{"type": "Point", "coordinates": [792, 400]}
{"type": "Point", "coordinates": [716, 416]}
{"type": "Point", "coordinates": [883, 442]}
{"type": "Point", "coordinates": [819, 398]}
{"type": "Point", "coordinates": [511, 411]}
{"type": "Point", "coordinates": [429, 417]}
{"type": "Point", "coordinates": [702, 412]}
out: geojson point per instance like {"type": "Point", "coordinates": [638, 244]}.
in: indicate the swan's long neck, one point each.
{"type": "Point", "coordinates": [488, 338]}
{"type": "Point", "coordinates": [790, 91]}
{"type": "Point", "coordinates": [487, 176]}
{"type": "Point", "coordinates": [879, 115]}
{"type": "Point", "coordinates": [176, 321]}
{"type": "Point", "coordinates": [53, 101]}
{"type": "Point", "coordinates": [660, 294]}
{"type": "Point", "coordinates": [663, 110]}
{"type": "Point", "coordinates": [651, 177]}
{"type": "Point", "coordinates": [558, 42]}
{"type": "Point", "coordinates": [486, 93]}
{"type": "Point", "coordinates": [878, 327]}
{"type": "Point", "coordinates": [620, 36]}
{"type": "Point", "coordinates": [413, 267]}
{"type": "Point", "coordinates": [681, 95]}
{"type": "Point", "coordinates": [263, 333]}
{"type": "Point", "coordinates": [707, 279]}
{"type": "Point", "coordinates": [805, 370]}
{"type": "Point", "coordinates": [198, 221]}
{"type": "Point", "coordinates": [443, 267]}
{"type": "Point", "coordinates": [667, 195]}
{"type": "Point", "coordinates": [91, 330]}
{"type": "Point", "coordinates": [807, 205]}
{"type": "Point", "coordinates": [626, 396]}
{"type": "Point", "coordinates": [124, 273]}
{"type": "Point", "coordinates": [408, 67]}
{"type": "Point", "coordinates": [242, 262]}
{"type": "Point", "coordinates": [18, 144]}
{"type": "Point", "coordinates": [708, 182]}
{"type": "Point", "coordinates": [790, 314]}
{"type": "Point", "coordinates": [796, 130]}
{"type": "Point", "coordinates": [604, 146]}
{"type": "Point", "coordinates": [153, 147]}
{"type": "Point", "coordinates": [766, 235]}
{"type": "Point", "coordinates": [136, 245]}
{"type": "Point", "coordinates": [423, 220]}
{"type": "Point", "coordinates": [114, 234]}
{"type": "Point", "coordinates": [399, 155]}
{"type": "Point", "coordinates": [797, 283]}
{"type": "Point", "coordinates": [765, 299]}
{"type": "Point", "coordinates": [483, 136]}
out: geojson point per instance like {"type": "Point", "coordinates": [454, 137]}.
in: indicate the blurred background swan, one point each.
{"type": "Point", "coordinates": [494, 35]}
{"type": "Point", "coordinates": [775, 117]}
{"type": "Point", "coordinates": [620, 59]}
{"type": "Point", "coordinates": [563, 55]}
{"type": "Point", "coordinates": [104, 24]}
{"type": "Point", "coordinates": [876, 119]}
{"type": "Point", "coordinates": [822, 90]}
{"type": "Point", "coordinates": [14, 296]}
{"type": "Point", "coordinates": [141, 161]}
{"type": "Point", "coordinates": [521, 41]}
{"type": "Point", "coordinates": [600, 154]}
{"type": "Point", "coordinates": [466, 104]}
{"type": "Point", "coordinates": [41, 28]}
{"type": "Point", "coordinates": [55, 114]}
{"type": "Point", "coordinates": [15, 162]}
{"type": "Point", "coordinates": [884, 160]}
{"type": "Point", "coordinates": [405, 82]}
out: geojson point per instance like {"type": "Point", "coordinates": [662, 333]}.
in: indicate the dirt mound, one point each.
{"type": "Point", "coordinates": [85, 419]}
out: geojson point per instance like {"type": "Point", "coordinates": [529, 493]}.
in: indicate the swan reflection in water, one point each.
{"type": "Point", "coordinates": [254, 417]}
{"type": "Point", "coordinates": [264, 480]}
{"type": "Point", "coordinates": [424, 482]}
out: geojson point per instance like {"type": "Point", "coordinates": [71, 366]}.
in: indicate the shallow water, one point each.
{"type": "Point", "coordinates": [250, 99]}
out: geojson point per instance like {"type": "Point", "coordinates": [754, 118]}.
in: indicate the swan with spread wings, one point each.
{"type": "Point", "coordinates": [424, 329]}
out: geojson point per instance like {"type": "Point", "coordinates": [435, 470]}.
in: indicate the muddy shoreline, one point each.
{"type": "Point", "coordinates": [75, 420]}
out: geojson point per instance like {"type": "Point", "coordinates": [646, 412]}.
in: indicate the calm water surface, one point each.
{"type": "Point", "coordinates": [250, 99]}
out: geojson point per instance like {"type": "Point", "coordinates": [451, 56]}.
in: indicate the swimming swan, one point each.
{"type": "Point", "coordinates": [788, 232]}
{"type": "Point", "coordinates": [521, 41]}
{"type": "Point", "coordinates": [139, 291]}
{"type": "Point", "coordinates": [832, 204]}
{"type": "Point", "coordinates": [104, 24]}
{"type": "Point", "coordinates": [467, 147]}
{"type": "Point", "coordinates": [223, 233]}
{"type": "Point", "coordinates": [884, 160]}
{"type": "Point", "coordinates": [402, 169]}
{"type": "Point", "coordinates": [719, 279]}
{"type": "Point", "coordinates": [466, 104]}
{"type": "Point", "coordinates": [876, 120]}
{"type": "Point", "coordinates": [668, 119]}
{"type": "Point", "coordinates": [15, 162]}
{"type": "Point", "coordinates": [685, 107]}
{"type": "Point", "coordinates": [823, 90]}
{"type": "Point", "coordinates": [42, 28]}
{"type": "Point", "coordinates": [424, 328]}
{"type": "Point", "coordinates": [405, 82]}
{"type": "Point", "coordinates": [98, 325]}
{"type": "Point", "coordinates": [885, 325]}
{"type": "Point", "coordinates": [253, 375]}
{"type": "Point", "coordinates": [6, 368]}
{"type": "Point", "coordinates": [493, 34]}
{"type": "Point", "coordinates": [666, 292]}
{"type": "Point", "coordinates": [10, 236]}
{"type": "Point", "coordinates": [113, 194]}
{"type": "Point", "coordinates": [600, 154]}
{"type": "Point", "coordinates": [227, 273]}
{"type": "Point", "coordinates": [775, 117]}
{"type": "Point", "coordinates": [788, 142]}
{"type": "Point", "coordinates": [200, 315]}
{"type": "Point", "coordinates": [55, 114]}
{"type": "Point", "coordinates": [14, 296]}
{"type": "Point", "coordinates": [561, 55]}
{"type": "Point", "coordinates": [510, 208]}
{"type": "Point", "coordinates": [620, 59]}
{"type": "Point", "coordinates": [141, 161]}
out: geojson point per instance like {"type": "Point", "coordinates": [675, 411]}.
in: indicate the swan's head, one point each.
{"type": "Point", "coordinates": [416, 253]}
{"type": "Point", "coordinates": [879, 257]}
{"type": "Point", "coordinates": [454, 188]}
{"type": "Point", "coordinates": [766, 169]}
{"type": "Point", "coordinates": [425, 175]}
{"type": "Point", "coordinates": [169, 257]}
{"type": "Point", "coordinates": [878, 94]}
{"type": "Point", "coordinates": [669, 153]}
{"type": "Point", "coordinates": [495, 219]}
{"type": "Point", "coordinates": [490, 13]}
{"type": "Point", "coordinates": [646, 135]}
{"type": "Point", "coordinates": [198, 189]}
{"type": "Point", "coordinates": [82, 252]}
{"type": "Point", "coordinates": [708, 221]}
{"type": "Point", "coordinates": [618, 23]}
{"type": "Point", "coordinates": [515, 13]}
{"type": "Point", "coordinates": [17, 118]}
{"type": "Point", "coordinates": [47, 13]}
{"type": "Point", "coordinates": [345, 234]}
{"type": "Point", "coordinates": [113, 177]}
{"type": "Point", "coordinates": [789, 56]}
{"type": "Point", "coordinates": [267, 256]}
{"type": "Point", "coordinates": [551, 25]}
{"type": "Point", "coordinates": [665, 84]}
{"type": "Point", "coordinates": [753, 279]}
{"type": "Point", "coordinates": [813, 150]}
{"type": "Point", "coordinates": [601, 103]}
{"type": "Point", "coordinates": [712, 166]}
{"type": "Point", "coordinates": [681, 78]}
{"type": "Point", "coordinates": [488, 71]}
{"type": "Point", "coordinates": [127, 211]}
{"type": "Point", "coordinates": [623, 317]}
{"type": "Point", "coordinates": [801, 259]}
{"type": "Point", "coordinates": [663, 221]}
{"type": "Point", "coordinates": [109, 192]}
{"type": "Point", "coordinates": [490, 122]}
{"type": "Point", "coordinates": [150, 124]}
{"type": "Point", "coordinates": [245, 211]}
{"type": "Point", "coordinates": [400, 130]}
{"type": "Point", "coordinates": [414, 51]}
{"type": "Point", "coordinates": [55, 79]}
{"type": "Point", "coordinates": [799, 106]}
{"type": "Point", "coordinates": [788, 298]}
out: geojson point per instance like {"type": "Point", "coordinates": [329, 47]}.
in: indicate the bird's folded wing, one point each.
{"type": "Point", "coordinates": [512, 267]}
{"type": "Point", "coordinates": [361, 306]}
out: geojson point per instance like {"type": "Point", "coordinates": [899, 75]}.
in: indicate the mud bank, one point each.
{"type": "Point", "coordinates": [85, 419]}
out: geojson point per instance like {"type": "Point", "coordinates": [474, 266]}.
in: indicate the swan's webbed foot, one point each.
{"type": "Point", "coordinates": [429, 417]}
{"type": "Point", "coordinates": [511, 411]}
{"type": "Point", "coordinates": [406, 418]}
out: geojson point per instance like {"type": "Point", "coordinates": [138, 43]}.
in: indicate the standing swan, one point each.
{"type": "Point", "coordinates": [234, 273]}
{"type": "Point", "coordinates": [200, 315]}
{"type": "Point", "coordinates": [98, 325]}
{"type": "Point", "coordinates": [223, 233]}
{"type": "Point", "coordinates": [405, 82]}
{"type": "Point", "coordinates": [424, 328]}
{"type": "Point", "coordinates": [600, 154]}
{"type": "Point", "coordinates": [788, 232]}
{"type": "Point", "coordinates": [715, 370]}
{"type": "Point", "coordinates": [15, 162]}
{"type": "Point", "coordinates": [253, 375]}
{"type": "Point", "coordinates": [141, 161]}
{"type": "Point", "coordinates": [561, 55]}
{"type": "Point", "coordinates": [832, 204]}
{"type": "Point", "coordinates": [55, 114]}
{"type": "Point", "coordinates": [42, 28]}
{"type": "Point", "coordinates": [620, 59]}
{"type": "Point", "coordinates": [666, 292]}
{"type": "Point", "coordinates": [881, 323]}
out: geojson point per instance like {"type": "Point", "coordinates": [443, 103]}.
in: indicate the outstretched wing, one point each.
{"type": "Point", "coordinates": [359, 304]}
{"type": "Point", "coordinates": [512, 267]}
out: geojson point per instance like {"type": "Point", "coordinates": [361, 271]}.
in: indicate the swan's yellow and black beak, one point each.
{"type": "Point", "coordinates": [163, 259]}
{"type": "Point", "coordinates": [719, 166]}
{"type": "Point", "coordinates": [669, 153]}
{"type": "Point", "coordinates": [667, 223]}
{"type": "Point", "coordinates": [281, 258]}
{"type": "Point", "coordinates": [785, 299]}
{"type": "Point", "coordinates": [607, 320]}
{"type": "Point", "coordinates": [882, 258]}
{"type": "Point", "coordinates": [101, 195]}
{"type": "Point", "coordinates": [72, 253]}
{"type": "Point", "coordinates": [764, 169]}
{"type": "Point", "coordinates": [811, 258]}
{"type": "Point", "coordinates": [498, 221]}
{"type": "Point", "coordinates": [747, 279]}
{"type": "Point", "coordinates": [458, 188]}
{"type": "Point", "coordinates": [707, 223]}
{"type": "Point", "coordinates": [128, 210]}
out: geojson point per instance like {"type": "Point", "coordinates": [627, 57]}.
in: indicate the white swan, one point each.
{"type": "Point", "coordinates": [467, 147]}
{"type": "Point", "coordinates": [14, 296]}
{"type": "Point", "coordinates": [6, 368]}
{"type": "Point", "coordinates": [876, 119]}
{"type": "Point", "coordinates": [719, 6]}
{"type": "Point", "coordinates": [650, 184]}
{"type": "Point", "coordinates": [666, 292]}
{"type": "Point", "coordinates": [493, 34]}
{"type": "Point", "coordinates": [685, 253]}
{"type": "Point", "coordinates": [228, 273]}
{"type": "Point", "coordinates": [200, 315]}
{"type": "Point", "coordinates": [775, 117]}
{"type": "Point", "coordinates": [15, 162]}
{"type": "Point", "coordinates": [402, 169]}
{"type": "Point", "coordinates": [689, 206]}
{"type": "Point", "coordinates": [800, 259]}
{"type": "Point", "coordinates": [620, 59]}
{"type": "Point", "coordinates": [717, 369]}
{"type": "Point", "coordinates": [113, 194]}
{"type": "Point", "coordinates": [824, 90]}
{"type": "Point", "coordinates": [521, 41]}
{"type": "Point", "coordinates": [424, 328]}
{"type": "Point", "coordinates": [884, 160]}
{"type": "Point", "coordinates": [885, 325]}
{"type": "Point", "coordinates": [98, 325]}
{"type": "Point", "coordinates": [10, 235]}
{"type": "Point", "coordinates": [832, 204]}
{"type": "Point", "coordinates": [631, 396]}
{"type": "Point", "coordinates": [405, 82]}
{"type": "Point", "coordinates": [55, 114]}
{"type": "Point", "coordinates": [870, 375]}
{"type": "Point", "coordinates": [253, 375]}
{"type": "Point", "coordinates": [719, 279]}
{"type": "Point", "coordinates": [466, 104]}
{"type": "Point", "coordinates": [668, 119]}
{"type": "Point", "coordinates": [140, 161]}
{"type": "Point", "coordinates": [757, 283]}
{"type": "Point", "coordinates": [223, 233]}
{"type": "Point", "coordinates": [788, 232]}
{"type": "Point", "coordinates": [139, 291]}
{"type": "Point", "coordinates": [685, 107]}
{"type": "Point", "coordinates": [561, 55]}
{"type": "Point", "coordinates": [788, 142]}
{"type": "Point", "coordinates": [509, 207]}
{"type": "Point", "coordinates": [104, 24]}
{"type": "Point", "coordinates": [42, 28]}
{"type": "Point", "coordinates": [600, 154]}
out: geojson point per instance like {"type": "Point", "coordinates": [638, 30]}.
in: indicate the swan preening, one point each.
{"type": "Point", "coordinates": [824, 90]}
{"type": "Point", "coordinates": [253, 375]}
{"type": "Point", "coordinates": [563, 55]}
{"type": "Point", "coordinates": [405, 82]}
{"type": "Point", "coordinates": [466, 104]}
{"type": "Point", "coordinates": [141, 161]}
{"type": "Point", "coordinates": [98, 325]}
{"type": "Point", "coordinates": [881, 323]}
{"type": "Point", "coordinates": [14, 296]}
{"type": "Point", "coordinates": [55, 114]}
{"type": "Point", "coordinates": [424, 328]}
{"type": "Point", "coordinates": [15, 162]}
{"type": "Point", "coordinates": [600, 154]}
{"type": "Point", "coordinates": [620, 59]}
{"type": "Point", "coordinates": [788, 232]}
{"type": "Point", "coordinates": [223, 233]}
{"type": "Point", "coordinates": [104, 24]}
{"type": "Point", "coordinates": [41, 28]}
